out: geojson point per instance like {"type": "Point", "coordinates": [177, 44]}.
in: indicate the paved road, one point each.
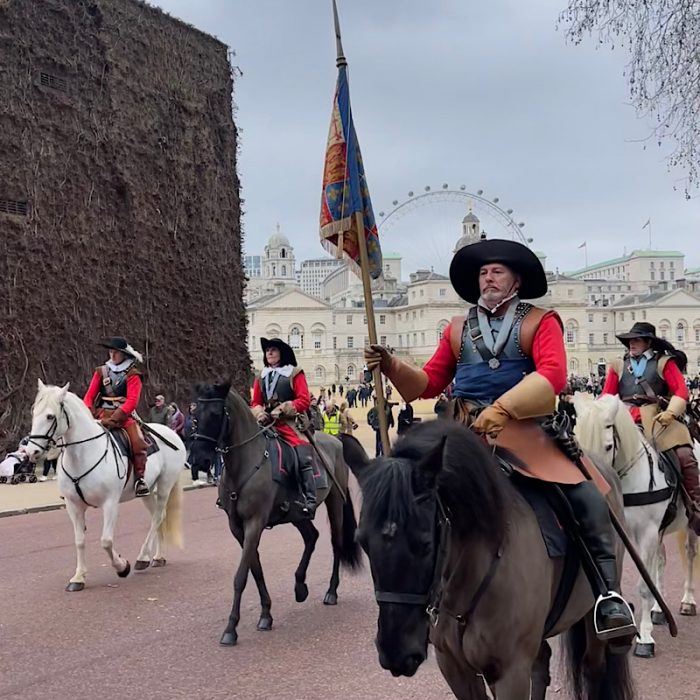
{"type": "Point", "coordinates": [156, 633]}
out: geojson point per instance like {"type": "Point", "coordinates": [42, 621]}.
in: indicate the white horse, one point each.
{"type": "Point", "coordinates": [606, 431]}
{"type": "Point", "coordinates": [93, 473]}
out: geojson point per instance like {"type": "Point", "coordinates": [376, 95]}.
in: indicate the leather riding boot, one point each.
{"type": "Point", "coordinates": [613, 616]}
{"type": "Point", "coordinates": [139, 454]}
{"type": "Point", "coordinates": [691, 483]}
{"type": "Point", "coordinates": [307, 483]}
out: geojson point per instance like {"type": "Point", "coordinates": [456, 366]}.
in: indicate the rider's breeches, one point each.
{"type": "Point", "coordinates": [138, 449]}
{"type": "Point", "coordinates": [591, 512]}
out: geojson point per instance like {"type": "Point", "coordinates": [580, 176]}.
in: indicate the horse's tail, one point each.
{"type": "Point", "coordinates": [613, 681]}
{"type": "Point", "coordinates": [170, 529]}
{"type": "Point", "coordinates": [350, 552]}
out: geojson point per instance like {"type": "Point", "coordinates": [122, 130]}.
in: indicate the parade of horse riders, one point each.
{"type": "Point", "coordinates": [526, 527]}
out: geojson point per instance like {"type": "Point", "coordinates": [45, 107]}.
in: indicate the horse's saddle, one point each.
{"type": "Point", "coordinates": [285, 465]}
{"type": "Point", "coordinates": [121, 437]}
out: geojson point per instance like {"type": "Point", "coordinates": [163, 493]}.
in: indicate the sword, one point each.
{"type": "Point", "coordinates": [147, 428]}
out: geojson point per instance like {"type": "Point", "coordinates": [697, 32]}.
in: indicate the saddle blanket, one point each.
{"type": "Point", "coordinates": [283, 458]}
{"type": "Point", "coordinates": [122, 439]}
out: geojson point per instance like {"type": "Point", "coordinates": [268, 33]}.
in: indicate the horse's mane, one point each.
{"type": "Point", "coordinates": [234, 402]}
{"type": "Point", "coordinates": [48, 398]}
{"type": "Point", "coordinates": [472, 487]}
{"type": "Point", "coordinates": [593, 416]}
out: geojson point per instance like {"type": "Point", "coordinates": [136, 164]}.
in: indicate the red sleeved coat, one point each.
{"type": "Point", "coordinates": [548, 354]}
{"type": "Point", "coordinates": [671, 374]}
{"type": "Point", "coordinates": [133, 394]}
{"type": "Point", "coordinates": [301, 402]}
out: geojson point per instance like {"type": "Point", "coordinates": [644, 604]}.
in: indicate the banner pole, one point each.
{"type": "Point", "coordinates": [372, 331]}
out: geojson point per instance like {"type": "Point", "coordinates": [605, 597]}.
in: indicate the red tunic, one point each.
{"type": "Point", "coordinates": [133, 394]}
{"type": "Point", "coordinates": [548, 354]}
{"type": "Point", "coordinates": [671, 374]}
{"type": "Point", "coordinates": [301, 404]}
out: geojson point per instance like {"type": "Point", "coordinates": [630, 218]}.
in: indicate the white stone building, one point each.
{"type": "Point", "coordinates": [329, 331]}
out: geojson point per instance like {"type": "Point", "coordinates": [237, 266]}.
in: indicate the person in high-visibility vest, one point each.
{"type": "Point", "coordinates": [331, 419]}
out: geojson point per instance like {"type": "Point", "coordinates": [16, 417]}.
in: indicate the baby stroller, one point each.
{"type": "Point", "coordinates": [16, 468]}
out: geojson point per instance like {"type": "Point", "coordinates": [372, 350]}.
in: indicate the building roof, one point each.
{"type": "Point", "coordinates": [627, 258]}
{"type": "Point", "coordinates": [470, 218]}
{"type": "Point", "coordinates": [391, 256]}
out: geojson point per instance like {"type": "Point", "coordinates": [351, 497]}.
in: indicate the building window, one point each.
{"type": "Point", "coordinates": [605, 318]}
{"type": "Point", "coordinates": [442, 292]}
{"type": "Point", "coordinates": [680, 332]}
{"type": "Point", "coordinates": [697, 335]}
{"type": "Point", "coordinates": [569, 292]}
{"type": "Point", "coordinates": [415, 339]}
{"type": "Point", "coordinates": [382, 319]}
{"type": "Point", "coordinates": [335, 342]}
{"type": "Point", "coordinates": [671, 274]}
{"type": "Point", "coordinates": [662, 275]}
{"type": "Point", "coordinates": [622, 316]}
{"type": "Point", "coordinates": [284, 270]}
{"type": "Point", "coordinates": [633, 315]}
{"type": "Point", "coordinates": [413, 314]}
{"type": "Point", "coordinates": [382, 340]}
{"type": "Point", "coordinates": [652, 276]}
{"type": "Point", "coordinates": [591, 339]}
{"type": "Point", "coordinates": [296, 338]}
{"type": "Point", "coordinates": [348, 319]}
{"type": "Point", "coordinates": [421, 313]}
{"type": "Point", "coordinates": [319, 374]}
{"type": "Point", "coordinates": [283, 253]}
{"type": "Point", "coordinates": [400, 340]}
{"type": "Point", "coordinates": [605, 338]}
{"type": "Point", "coordinates": [274, 270]}
{"type": "Point", "coordinates": [351, 341]}
{"type": "Point", "coordinates": [651, 264]}
{"type": "Point", "coordinates": [317, 341]}
{"type": "Point", "coordinates": [570, 333]}
{"type": "Point", "coordinates": [421, 292]}
{"type": "Point", "coordinates": [366, 340]}
{"type": "Point", "coordinates": [661, 264]}
{"type": "Point", "coordinates": [350, 372]}
{"type": "Point", "coordinates": [590, 318]}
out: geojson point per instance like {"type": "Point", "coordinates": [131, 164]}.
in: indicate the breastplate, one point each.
{"type": "Point", "coordinates": [282, 391]}
{"type": "Point", "coordinates": [630, 385]}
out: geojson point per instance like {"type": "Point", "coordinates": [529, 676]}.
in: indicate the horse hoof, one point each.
{"type": "Point", "coordinates": [330, 599]}
{"type": "Point", "coordinates": [658, 618]}
{"type": "Point", "coordinates": [158, 562]}
{"type": "Point", "coordinates": [74, 586]}
{"type": "Point", "coordinates": [229, 639]}
{"type": "Point", "coordinates": [265, 624]}
{"type": "Point", "coordinates": [140, 565]}
{"type": "Point", "coordinates": [301, 592]}
{"type": "Point", "coordinates": [126, 572]}
{"type": "Point", "coordinates": [689, 609]}
{"type": "Point", "coordinates": [644, 651]}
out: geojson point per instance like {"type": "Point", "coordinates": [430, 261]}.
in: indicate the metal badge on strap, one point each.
{"type": "Point", "coordinates": [482, 335]}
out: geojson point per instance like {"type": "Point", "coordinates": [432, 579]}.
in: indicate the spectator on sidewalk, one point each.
{"type": "Point", "coordinates": [405, 418]}
{"type": "Point", "coordinates": [159, 411]}
{"type": "Point", "coordinates": [347, 422]}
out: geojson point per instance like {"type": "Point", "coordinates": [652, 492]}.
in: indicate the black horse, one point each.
{"type": "Point", "coordinates": [457, 557]}
{"type": "Point", "coordinates": [250, 496]}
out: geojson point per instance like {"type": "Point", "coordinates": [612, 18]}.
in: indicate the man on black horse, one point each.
{"type": "Point", "coordinates": [280, 393]}
{"type": "Point", "coordinates": [508, 363]}
{"type": "Point", "coordinates": [113, 396]}
{"type": "Point", "coordinates": [648, 379]}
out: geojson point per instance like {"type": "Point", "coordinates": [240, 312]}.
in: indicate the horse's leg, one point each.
{"type": "Point", "coordinates": [515, 682]}
{"type": "Point", "coordinates": [265, 621]}
{"type": "Point", "coordinates": [650, 548]}
{"type": "Point", "coordinates": [656, 613]}
{"type": "Point", "coordinates": [462, 679]}
{"type": "Point", "coordinates": [76, 513]}
{"type": "Point", "coordinates": [688, 606]}
{"type": "Point", "coordinates": [143, 560]}
{"type": "Point", "coordinates": [110, 510]}
{"type": "Point", "coordinates": [334, 506]}
{"type": "Point", "coordinates": [252, 531]}
{"type": "Point", "coordinates": [540, 672]}
{"type": "Point", "coordinates": [310, 535]}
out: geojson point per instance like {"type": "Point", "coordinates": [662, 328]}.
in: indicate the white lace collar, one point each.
{"type": "Point", "coordinates": [122, 366]}
{"type": "Point", "coordinates": [285, 371]}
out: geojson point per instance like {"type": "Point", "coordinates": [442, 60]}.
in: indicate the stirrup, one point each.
{"type": "Point", "coordinates": [613, 632]}
{"type": "Point", "coordinates": [141, 488]}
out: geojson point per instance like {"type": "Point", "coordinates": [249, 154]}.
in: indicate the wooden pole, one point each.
{"type": "Point", "coordinates": [372, 330]}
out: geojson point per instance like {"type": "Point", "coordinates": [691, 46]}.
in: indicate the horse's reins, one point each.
{"type": "Point", "coordinates": [225, 426]}
{"type": "Point", "coordinates": [51, 442]}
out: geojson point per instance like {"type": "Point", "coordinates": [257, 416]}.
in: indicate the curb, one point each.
{"type": "Point", "coordinates": [60, 506]}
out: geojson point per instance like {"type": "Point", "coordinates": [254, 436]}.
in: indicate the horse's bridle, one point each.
{"type": "Point", "coordinates": [225, 426]}
{"type": "Point", "coordinates": [441, 533]}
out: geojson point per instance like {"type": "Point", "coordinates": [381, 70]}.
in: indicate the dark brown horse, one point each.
{"type": "Point", "coordinates": [457, 557]}
{"type": "Point", "coordinates": [252, 499]}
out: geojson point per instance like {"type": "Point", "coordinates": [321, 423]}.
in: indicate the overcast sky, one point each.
{"type": "Point", "coordinates": [488, 95]}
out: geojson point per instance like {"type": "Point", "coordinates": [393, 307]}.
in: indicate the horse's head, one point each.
{"type": "Point", "coordinates": [212, 424]}
{"type": "Point", "coordinates": [606, 432]}
{"type": "Point", "coordinates": [49, 419]}
{"type": "Point", "coordinates": [398, 532]}
{"type": "Point", "coordinates": [439, 468]}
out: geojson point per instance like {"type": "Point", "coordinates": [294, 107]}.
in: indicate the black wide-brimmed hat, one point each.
{"type": "Point", "coordinates": [123, 346]}
{"type": "Point", "coordinates": [287, 356]}
{"type": "Point", "coordinates": [647, 331]}
{"type": "Point", "coordinates": [465, 266]}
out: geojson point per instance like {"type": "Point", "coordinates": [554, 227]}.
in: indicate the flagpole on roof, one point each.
{"type": "Point", "coordinates": [341, 62]}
